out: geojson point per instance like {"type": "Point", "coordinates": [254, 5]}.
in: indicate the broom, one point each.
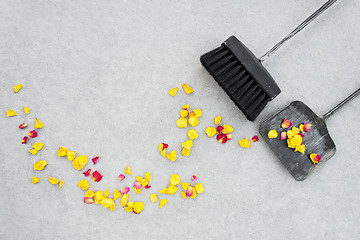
{"type": "Point", "coordinates": [242, 76]}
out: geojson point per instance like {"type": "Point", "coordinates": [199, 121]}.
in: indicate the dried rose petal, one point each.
{"type": "Point", "coordinates": [221, 138]}
{"type": "Point", "coordinates": [227, 129]}
{"type": "Point", "coordinates": [307, 127]}
{"type": "Point", "coordinates": [210, 131]}
{"type": "Point", "coordinates": [163, 202]}
{"type": "Point", "coordinates": [121, 177]}
{"type": "Point", "coordinates": [17, 88]}
{"type": "Point", "coordinates": [38, 123]}
{"type": "Point", "coordinates": [283, 136]}
{"type": "Point", "coordinates": [173, 91]}
{"type": "Point", "coordinates": [24, 140]}
{"type": "Point", "coordinates": [273, 134]}
{"type": "Point", "coordinates": [88, 200]}
{"type": "Point", "coordinates": [189, 191]}
{"type": "Point", "coordinates": [124, 190]}
{"type": "Point", "coordinates": [32, 134]}
{"type": "Point", "coordinates": [302, 135]}
{"type": "Point", "coordinates": [187, 89]}
{"type": "Point", "coordinates": [87, 172]}
{"type": "Point", "coordinates": [165, 146]}
{"type": "Point", "coordinates": [286, 123]}
{"type": "Point", "coordinates": [147, 186]}
{"type": "Point", "coordinates": [255, 139]}
{"type": "Point", "coordinates": [181, 122]}
{"type": "Point", "coordinates": [315, 158]}
{"type": "Point", "coordinates": [95, 159]}
{"type": "Point", "coordinates": [137, 185]}
{"type": "Point", "coordinates": [219, 129]}
{"type": "Point", "coordinates": [128, 170]}
{"type": "Point", "coordinates": [96, 176]}
{"type": "Point", "coordinates": [228, 136]}
{"type": "Point", "coordinates": [217, 120]}
{"type": "Point", "coordinates": [26, 110]}
{"type": "Point", "coordinates": [23, 125]}
{"type": "Point", "coordinates": [194, 178]}
{"type": "Point", "coordinates": [245, 143]}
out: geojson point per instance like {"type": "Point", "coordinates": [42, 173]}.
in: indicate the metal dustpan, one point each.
{"type": "Point", "coordinates": [317, 140]}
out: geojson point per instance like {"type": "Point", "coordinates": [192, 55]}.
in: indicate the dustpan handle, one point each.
{"type": "Point", "coordinates": [334, 109]}
{"type": "Point", "coordinates": [298, 29]}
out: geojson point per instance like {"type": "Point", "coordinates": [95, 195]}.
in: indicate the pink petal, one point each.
{"type": "Point", "coordinates": [121, 177]}
{"type": "Point", "coordinates": [189, 191]}
{"type": "Point", "coordinates": [194, 178]}
{"type": "Point", "coordinates": [88, 200]}
{"type": "Point", "coordinates": [87, 172]}
{"type": "Point", "coordinates": [286, 123]}
{"type": "Point", "coordinates": [283, 136]}
{"type": "Point", "coordinates": [124, 190]}
{"type": "Point", "coordinates": [137, 185]}
{"type": "Point", "coordinates": [96, 176]}
{"type": "Point", "coordinates": [95, 159]}
{"type": "Point", "coordinates": [307, 127]}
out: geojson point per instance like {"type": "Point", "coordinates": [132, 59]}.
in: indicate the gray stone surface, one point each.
{"type": "Point", "coordinates": [97, 74]}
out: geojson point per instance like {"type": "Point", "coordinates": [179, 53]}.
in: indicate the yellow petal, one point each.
{"type": "Point", "coordinates": [227, 129]}
{"type": "Point", "coordinates": [70, 155]}
{"type": "Point", "coordinates": [198, 112]}
{"type": "Point", "coordinates": [112, 206]}
{"type": "Point", "coordinates": [99, 196]}
{"type": "Point", "coordinates": [164, 191]}
{"type": "Point", "coordinates": [38, 123]}
{"type": "Point", "coordinates": [163, 202]}
{"type": "Point", "coordinates": [35, 180]}
{"type": "Point", "coordinates": [188, 144]}
{"type": "Point", "coordinates": [83, 184]}
{"type": "Point", "coordinates": [184, 113]}
{"type": "Point", "coordinates": [300, 148]}
{"type": "Point", "coordinates": [138, 179]}
{"type": "Point", "coordinates": [144, 182]}
{"type": "Point", "coordinates": [171, 156]}
{"type": "Point", "coordinates": [33, 151]}
{"type": "Point", "coordinates": [183, 194]}
{"type": "Point", "coordinates": [185, 107]}
{"type": "Point", "coordinates": [38, 146]}
{"type": "Point", "coordinates": [217, 120]}
{"type": "Point", "coordinates": [11, 113]}
{"type": "Point", "coordinates": [17, 88]}
{"type": "Point", "coordinates": [137, 190]}
{"type": "Point", "coordinates": [192, 134]}
{"type": "Point", "coordinates": [187, 88]}
{"type": "Point", "coordinates": [185, 152]}
{"type": "Point", "coordinates": [128, 170]}
{"type": "Point", "coordinates": [60, 184]}
{"type": "Point", "coordinates": [210, 131]}
{"type": "Point", "coordinates": [194, 194]}
{"type": "Point", "coordinates": [117, 194]}
{"type": "Point", "coordinates": [39, 165]}
{"type": "Point", "coordinates": [26, 110]}
{"type": "Point", "coordinates": [185, 185]}
{"type": "Point", "coordinates": [199, 188]}
{"type": "Point", "coordinates": [82, 160]}
{"type": "Point", "coordinates": [89, 193]}
{"type": "Point", "coordinates": [138, 207]}
{"type": "Point", "coordinates": [106, 202]}
{"type": "Point", "coordinates": [172, 189]}
{"type": "Point", "coordinates": [173, 91]}
{"type": "Point", "coordinates": [181, 122]}
{"type": "Point", "coordinates": [106, 193]}
{"type": "Point", "coordinates": [53, 180]}
{"type": "Point", "coordinates": [163, 153]}
{"type": "Point", "coordinates": [62, 151]}
{"type": "Point", "coordinates": [291, 133]}
{"type": "Point", "coordinates": [245, 143]}
{"type": "Point", "coordinates": [273, 134]}
{"type": "Point", "coordinates": [153, 197]}
{"type": "Point", "coordinates": [124, 200]}
{"type": "Point", "coordinates": [175, 179]}
{"type": "Point", "coordinates": [148, 176]}
{"type": "Point", "coordinates": [193, 121]}
{"type": "Point", "coordinates": [296, 140]}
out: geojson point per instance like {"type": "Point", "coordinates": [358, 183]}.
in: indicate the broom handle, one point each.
{"type": "Point", "coordinates": [298, 29]}
{"type": "Point", "coordinates": [334, 109]}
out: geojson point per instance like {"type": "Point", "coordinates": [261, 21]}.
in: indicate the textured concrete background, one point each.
{"type": "Point", "coordinates": [97, 74]}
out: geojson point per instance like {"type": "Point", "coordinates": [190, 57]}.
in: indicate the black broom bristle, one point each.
{"type": "Point", "coordinates": [242, 76]}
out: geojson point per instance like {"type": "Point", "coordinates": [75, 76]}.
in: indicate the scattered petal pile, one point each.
{"type": "Point", "coordinates": [222, 131]}
{"type": "Point", "coordinates": [193, 117]}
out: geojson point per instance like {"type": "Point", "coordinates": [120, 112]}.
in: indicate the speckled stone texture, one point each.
{"type": "Point", "coordinates": [97, 73]}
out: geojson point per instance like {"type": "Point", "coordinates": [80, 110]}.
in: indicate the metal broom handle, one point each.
{"type": "Point", "coordinates": [298, 29]}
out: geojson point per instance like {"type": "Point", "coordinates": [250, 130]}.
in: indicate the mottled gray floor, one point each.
{"type": "Point", "coordinates": [97, 74]}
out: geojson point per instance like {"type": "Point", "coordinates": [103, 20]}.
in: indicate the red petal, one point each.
{"type": "Point", "coordinates": [32, 134]}
{"type": "Point", "coordinates": [302, 135]}
{"type": "Point", "coordinates": [137, 185]}
{"type": "Point", "coordinates": [95, 159]}
{"type": "Point", "coordinates": [96, 176]}
{"type": "Point", "coordinates": [147, 186]}
{"type": "Point", "coordinates": [87, 172]}
{"type": "Point", "coordinates": [219, 129]}
{"type": "Point", "coordinates": [88, 200]}
{"type": "Point", "coordinates": [24, 140]}
{"type": "Point", "coordinates": [121, 177]}
{"type": "Point", "coordinates": [23, 125]}
{"type": "Point", "coordinates": [255, 139]}
{"type": "Point", "coordinates": [135, 212]}
{"type": "Point", "coordinates": [307, 127]}
{"type": "Point", "coordinates": [124, 190]}
{"type": "Point", "coordinates": [194, 178]}
{"type": "Point", "coordinates": [165, 146]}
{"type": "Point", "coordinates": [221, 138]}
